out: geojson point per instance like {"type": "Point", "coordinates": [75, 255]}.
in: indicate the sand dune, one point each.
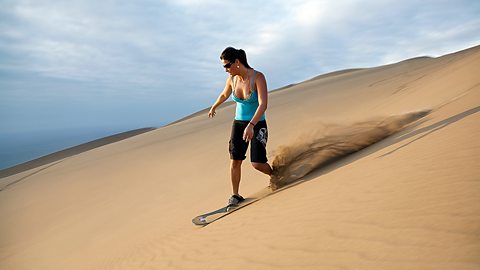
{"type": "Point", "coordinates": [407, 199]}
{"type": "Point", "coordinates": [71, 151]}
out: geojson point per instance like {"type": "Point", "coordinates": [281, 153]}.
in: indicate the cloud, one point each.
{"type": "Point", "coordinates": [315, 37]}
{"type": "Point", "coordinates": [169, 50]}
{"type": "Point", "coordinates": [89, 42]}
{"type": "Point", "coordinates": [143, 43]}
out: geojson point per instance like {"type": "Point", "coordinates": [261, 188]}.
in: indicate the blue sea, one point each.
{"type": "Point", "coordinates": [17, 148]}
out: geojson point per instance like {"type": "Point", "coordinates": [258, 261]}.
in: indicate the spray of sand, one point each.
{"type": "Point", "coordinates": [327, 143]}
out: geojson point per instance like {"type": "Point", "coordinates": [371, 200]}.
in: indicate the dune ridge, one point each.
{"type": "Point", "coordinates": [71, 151]}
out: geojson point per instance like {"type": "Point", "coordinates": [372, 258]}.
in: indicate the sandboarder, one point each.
{"type": "Point", "coordinates": [249, 88]}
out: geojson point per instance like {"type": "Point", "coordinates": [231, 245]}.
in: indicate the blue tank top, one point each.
{"type": "Point", "coordinates": [246, 108]}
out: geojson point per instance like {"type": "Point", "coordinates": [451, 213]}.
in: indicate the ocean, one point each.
{"type": "Point", "coordinates": [17, 148]}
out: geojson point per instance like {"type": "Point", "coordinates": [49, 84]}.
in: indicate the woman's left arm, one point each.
{"type": "Point", "coordinates": [261, 85]}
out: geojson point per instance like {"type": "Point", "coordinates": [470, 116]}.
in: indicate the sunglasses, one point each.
{"type": "Point", "coordinates": [228, 65]}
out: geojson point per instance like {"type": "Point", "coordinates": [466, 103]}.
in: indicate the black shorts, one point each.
{"type": "Point", "coordinates": [258, 149]}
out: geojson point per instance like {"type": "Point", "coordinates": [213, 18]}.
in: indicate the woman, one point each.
{"type": "Point", "coordinates": [249, 89]}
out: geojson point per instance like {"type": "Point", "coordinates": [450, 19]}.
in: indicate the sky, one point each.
{"type": "Point", "coordinates": [79, 64]}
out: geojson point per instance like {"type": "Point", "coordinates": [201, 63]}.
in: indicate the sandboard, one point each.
{"type": "Point", "coordinates": [205, 219]}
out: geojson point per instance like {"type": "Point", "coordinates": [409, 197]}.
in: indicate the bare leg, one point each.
{"type": "Point", "coordinates": [263, 167]}
{"type": "Point", "coordinates": [236, 173]}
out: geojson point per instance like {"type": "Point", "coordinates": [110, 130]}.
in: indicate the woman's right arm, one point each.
{"type": "Point", "coordinates": [227, 91]}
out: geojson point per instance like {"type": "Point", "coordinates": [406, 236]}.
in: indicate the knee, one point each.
{"type": "Point", "coordinates": [258, 166]}
{"type": "Point", "coordinates": [235, 164]}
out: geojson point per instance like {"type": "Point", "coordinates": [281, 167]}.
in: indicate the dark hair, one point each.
{"type": "Point", "coordinates": [231, 54]}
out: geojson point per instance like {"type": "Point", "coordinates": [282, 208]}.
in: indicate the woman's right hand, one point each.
{"type": "Point", "coordinates": [212, 113]}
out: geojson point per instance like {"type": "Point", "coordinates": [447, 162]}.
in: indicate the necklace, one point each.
{"type": "Point", "coordinates": [247, 77]}
{"type": "Point", "coordinates": [245, 82]}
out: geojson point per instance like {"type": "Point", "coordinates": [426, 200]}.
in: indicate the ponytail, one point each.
{"type": "Point", "coordinates": [231, 54]}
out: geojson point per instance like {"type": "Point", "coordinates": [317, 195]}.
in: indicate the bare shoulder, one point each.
{"type": "Point", "coordinates": [259, 75]}
{"type": "Point", "coordinates": [229, 81]}
{"type": "Point", "coordinates": [260, 78]}
{"type": "Point", "coordinates": [227, 90]}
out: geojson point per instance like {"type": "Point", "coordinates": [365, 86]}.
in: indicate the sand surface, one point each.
{"type": "Point", "coordinates": [65, 153]}
{"type": "Point", "coordinates": [409, 201]}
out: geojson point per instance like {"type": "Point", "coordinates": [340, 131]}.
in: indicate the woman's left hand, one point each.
{"type": "Point", "coordinates": [248, 133]}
